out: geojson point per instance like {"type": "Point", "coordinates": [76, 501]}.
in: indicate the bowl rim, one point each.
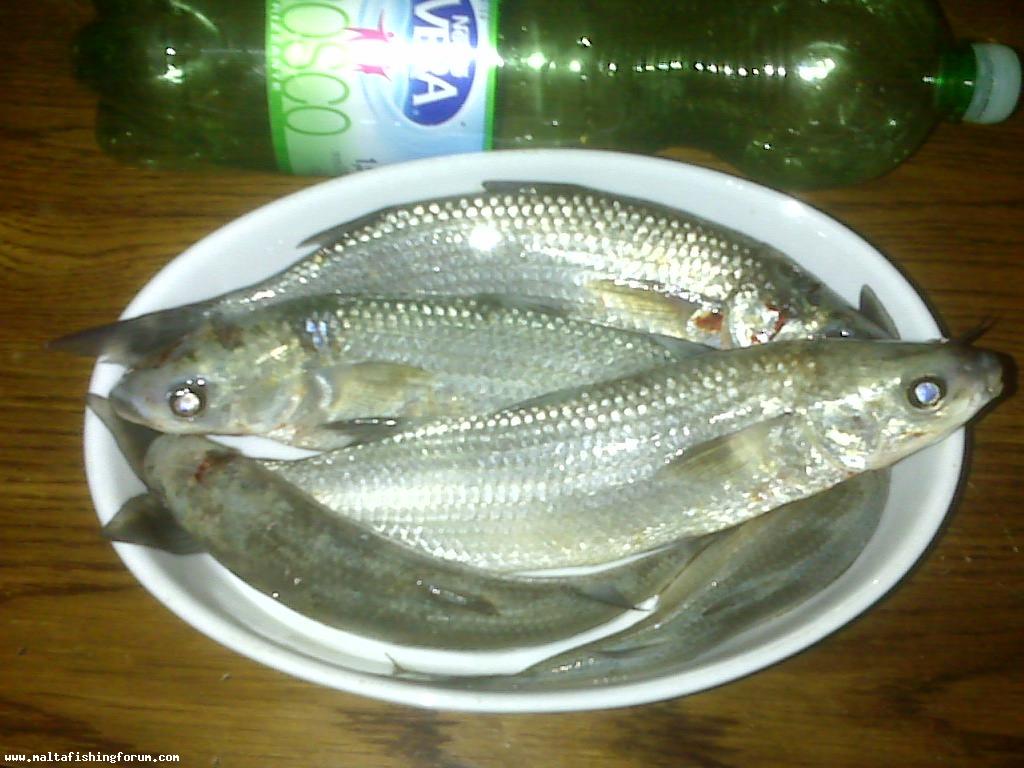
{"type": "Point", "coordinates": [530, 165]}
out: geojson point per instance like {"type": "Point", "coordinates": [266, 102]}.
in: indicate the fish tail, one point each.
{"type": "Point", "coordinates": [146, 520]}
{"type": "Point", "coordinates": [132, 439]}
{"type": "Point", "coordinates": [128, 340]}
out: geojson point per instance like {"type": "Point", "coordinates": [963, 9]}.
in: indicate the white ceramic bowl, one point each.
{"type": "Point", "coordinates": [261, 243]}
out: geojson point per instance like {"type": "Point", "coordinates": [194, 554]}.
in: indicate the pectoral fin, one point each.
{"type": "Point", "coordinates": [353, 431]}
{"type": "Point", "coordinates": [376, 387]}
{"type": "Point", "coordinates": [658, 313]}
{"type": "Point", "coordinates": [144, 520]}
{"type": "Point", "coordinates": [729, 458]}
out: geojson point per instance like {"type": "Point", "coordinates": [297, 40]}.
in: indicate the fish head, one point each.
{"type": "Point", "coordinates": [212, 384]}
{"type": "Point", "coordinates": [791, 303]}
{"type": "Point", "coordinates": [189, 474]}
{"type": "Point", "coordinates": [878, 402]}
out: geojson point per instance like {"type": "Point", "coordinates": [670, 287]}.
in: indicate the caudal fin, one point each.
{"type": "Point", "coordinates": [132, 439]}
{"type": "Point", "coordinates": [145, 520]}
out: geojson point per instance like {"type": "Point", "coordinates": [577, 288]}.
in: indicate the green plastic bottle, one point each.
{"type": "Point", "coordinates": [795, 93]}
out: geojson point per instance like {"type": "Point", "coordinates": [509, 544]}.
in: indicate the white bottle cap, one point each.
{"type": "Point", "coordinates": [996, 84]}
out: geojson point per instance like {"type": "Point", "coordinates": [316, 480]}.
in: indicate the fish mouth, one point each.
{"type": "Point", "coordinates": [1000, 372]}
{"type": "Point", "coordinates": [994, 376]}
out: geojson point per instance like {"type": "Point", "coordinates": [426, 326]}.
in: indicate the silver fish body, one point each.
{"type": "Point", "coordinates": [284, 544]}
{"type": "Point", "coordinates": [627, 263]}
{"type": "Point", "coordinates": [311, 372]}
{"type": "Point", "coordinates": [629, 465]}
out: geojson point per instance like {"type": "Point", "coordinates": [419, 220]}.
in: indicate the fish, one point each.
{"type": "Point", "coordinates": [590, 475]}
{"type": "Point", "coordinates": [323, 372]}
{"type": "Point", "coordinates": [286, 545]}
{"type": "Point", "coordinates": [746, 576]}
{"type": "Point", "coordinates": [627, 263]}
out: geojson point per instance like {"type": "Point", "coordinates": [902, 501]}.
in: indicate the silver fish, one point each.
{"type": "Point", "coordinates": [745, 576]}
{"type": "Point", "coordinates": [321, 372]}
{"type": "Point", "coordinates": [601, 472]}
{"type": "Point", "coordinates": [626, 263]}
{"type": "Point", "coordinates": [284, 544]}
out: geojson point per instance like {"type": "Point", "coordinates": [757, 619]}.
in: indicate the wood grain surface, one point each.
{"type": "Point", "coordinates": [89, 661]}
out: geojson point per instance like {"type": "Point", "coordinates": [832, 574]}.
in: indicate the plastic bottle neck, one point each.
{"type": "Point", "coordinates": [954, 85]}
{"type": "Point", "coordinates": [978, 83]}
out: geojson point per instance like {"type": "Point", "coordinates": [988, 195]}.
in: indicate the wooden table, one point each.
{"type": "Point", "coordinates": [89, 661]}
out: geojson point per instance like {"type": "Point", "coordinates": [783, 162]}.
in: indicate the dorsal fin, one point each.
{"type": "Point", "coordinates": [873, 309]}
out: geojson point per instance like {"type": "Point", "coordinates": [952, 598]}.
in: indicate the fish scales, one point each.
{"type": "Point", "coordinates": [534, 235]}
{"type": "Point", "coordinates": [293, 371]}
{"type": "Point", "coordinates": [626, 263]}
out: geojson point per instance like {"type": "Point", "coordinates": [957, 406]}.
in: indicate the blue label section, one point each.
{"type": "Point", "coordinates": [443, 39]}
{"type": "Point", "coordinates": [358, 83]}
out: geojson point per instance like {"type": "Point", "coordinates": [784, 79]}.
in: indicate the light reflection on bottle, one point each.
{"type": "Point", "coordinates": [819, 70]}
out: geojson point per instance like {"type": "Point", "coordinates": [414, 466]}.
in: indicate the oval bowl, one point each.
{"type": "Point", "coordinates": [216, 603]}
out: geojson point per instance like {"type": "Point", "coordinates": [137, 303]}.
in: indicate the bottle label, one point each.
{"type": "Point", "coordinates": [356, 83]}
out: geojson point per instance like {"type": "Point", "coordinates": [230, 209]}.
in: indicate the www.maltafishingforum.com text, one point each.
{"type": "Point", "coordinates": [87, 757]}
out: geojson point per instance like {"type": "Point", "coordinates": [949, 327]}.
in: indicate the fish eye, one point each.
{"type": "Point", "coordinates": [926, 392]}
{"type": "Point", "coordinates": [189, 399]}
